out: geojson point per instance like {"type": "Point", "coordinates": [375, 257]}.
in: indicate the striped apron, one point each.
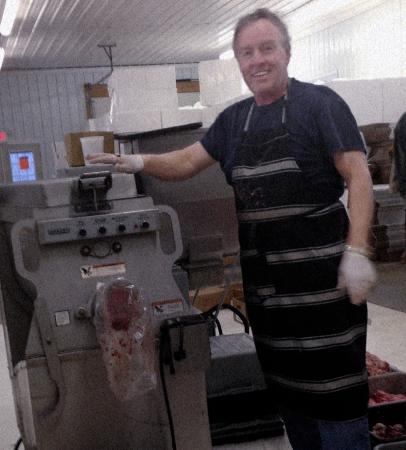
{"type": "Point", "coordinates": [310, 339]}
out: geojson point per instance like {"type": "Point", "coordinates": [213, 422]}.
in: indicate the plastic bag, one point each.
{"type": "Point", "coordinates": [125, 334]}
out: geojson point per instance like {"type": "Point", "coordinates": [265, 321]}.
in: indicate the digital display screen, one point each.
{"type": "Point", "coordinates": [22, 166]}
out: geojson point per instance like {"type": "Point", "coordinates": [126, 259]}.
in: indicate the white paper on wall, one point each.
{"type": "Point", "coordinates": [60, 155]}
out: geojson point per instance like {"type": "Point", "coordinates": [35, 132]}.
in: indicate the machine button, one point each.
{"type": "Point", "coordinates": [102, 230]}
{"type": "Point", "coordinates": [82, 232]}
{"type": "Point", "coordinates": [121, 228]}
{"type": "Point", "coordinates": [145, 225]}
{"type": "Point", "coordinates": [116, 247]}
{"type": "Point", "coordinates": [85, 250]}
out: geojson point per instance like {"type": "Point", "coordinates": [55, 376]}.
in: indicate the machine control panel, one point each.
{"type": "Point", "coordinates": [97, 226]}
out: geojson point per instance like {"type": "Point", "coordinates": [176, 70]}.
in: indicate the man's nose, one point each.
{"type": "Point", "coordinates": [257, 57]}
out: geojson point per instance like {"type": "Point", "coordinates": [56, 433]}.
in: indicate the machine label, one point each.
{"type": "Point", "coordinates": [102, 270]}
{"type": "Point", "coordinates": [61, 230]}
{"type": "Point", "coordinates": [62, 318]}
{"type": "Point", "coordinates": [164, 307]}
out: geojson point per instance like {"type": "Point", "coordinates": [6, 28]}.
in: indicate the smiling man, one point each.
{"type": "Point", "coordinates": [263, 58]}
{"type": "Point", "coordinates": [286, 152]}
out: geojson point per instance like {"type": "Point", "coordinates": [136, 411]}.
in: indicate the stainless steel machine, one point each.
{"type": "Point", "coordinates": [59, 239]}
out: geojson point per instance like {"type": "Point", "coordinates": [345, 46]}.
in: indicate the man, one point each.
{"type": "Point", "coordinates": [398, 170]}
{"type": "Point", "coordinates": [306, 272]}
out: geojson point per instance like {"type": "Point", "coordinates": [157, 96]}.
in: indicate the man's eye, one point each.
{"type": "Point", "coordinates": [245, 53]}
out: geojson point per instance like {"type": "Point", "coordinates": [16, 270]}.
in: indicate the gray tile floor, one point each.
{"type": "Point", "coordinates": [386, 337]}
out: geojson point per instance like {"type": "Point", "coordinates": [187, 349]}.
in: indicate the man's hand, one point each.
{"type": "Point", "coordinates": [122, 163]}
{"type": "Point", "coordinates": [357, 274]}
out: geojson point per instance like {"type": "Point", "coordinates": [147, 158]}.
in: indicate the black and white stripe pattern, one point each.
{"type": "Point", "coordinates": [283, 165]}
{"type": "Point", "coordinates": [315, 342]}
{"type": "Point", "coordinates": [275, 213]}
{"type": "Point", "coordinates": [305, 254]}
{"type": "Point", "coordinates": [310, 340]}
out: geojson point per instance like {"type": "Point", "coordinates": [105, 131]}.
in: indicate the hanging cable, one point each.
{"type": "Point", "coordinates": [109, 52]}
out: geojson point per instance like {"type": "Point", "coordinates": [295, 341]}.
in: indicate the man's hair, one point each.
{"type": "Point", "coordinates": [263, 13]}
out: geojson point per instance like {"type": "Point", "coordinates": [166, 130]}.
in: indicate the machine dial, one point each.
{"type": "Point", "coordinates": [85, 250]}
{"type": "Point", "coordinates": [116, 247]}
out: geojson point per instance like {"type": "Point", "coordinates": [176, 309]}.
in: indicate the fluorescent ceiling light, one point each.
{"type": "Point", "coordinates": [1, 56]}
{"type": "Point", "coordinates": [9, 15]}
{"type": "Point", "coordinates": [228, 54]}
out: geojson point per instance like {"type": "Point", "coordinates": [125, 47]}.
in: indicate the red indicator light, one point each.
{"type": "Point", "coordinates": [24, 163]}
{"type": "Point", "coordinates": [3, 136]}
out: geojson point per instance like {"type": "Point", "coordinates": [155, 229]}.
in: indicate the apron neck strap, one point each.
{"type": "Point", "coordinates": [285, 100]}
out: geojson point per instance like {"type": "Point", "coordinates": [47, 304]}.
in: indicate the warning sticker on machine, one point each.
{"type": "Point", "coordinates": [164, 307]}
{"type": "Point", "coordinates": [102, 270]}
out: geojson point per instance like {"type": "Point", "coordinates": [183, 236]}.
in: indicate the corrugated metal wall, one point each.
{"type": "Point", "coordinates": [368, 45]}
{"type": "Point", "coordinates": [42, 105]}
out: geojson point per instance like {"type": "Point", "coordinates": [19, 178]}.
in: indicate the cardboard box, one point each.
{"type": "Point", "coordinates": [73, 146]}
{"type": "Point", "coordinates": [210, 296]}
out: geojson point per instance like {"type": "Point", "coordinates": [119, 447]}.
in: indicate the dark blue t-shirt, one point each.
{"type": "Point", "coordinates": [319, 123]}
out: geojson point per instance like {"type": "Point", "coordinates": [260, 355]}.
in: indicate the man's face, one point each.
{"type": "Point", "coordinates": [263, 60]}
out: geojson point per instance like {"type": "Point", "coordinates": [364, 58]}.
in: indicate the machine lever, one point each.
{"type": "Point", "coordinates": [180, 353]}
{"type": "Point", "coordinates": [166, 349]}
{"type": "Point", "coordinates": [51, 353]}
{"type": "Point", "coordinates": [89, 193]}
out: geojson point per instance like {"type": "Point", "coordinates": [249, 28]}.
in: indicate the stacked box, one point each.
{"type": "Point", "coordinates": [373, 101]}
{"type": "Point", "coordinates": [364, 97]}
{"type": "Point", "coordinates": [388, 227]}
{"type": "Point", "coordinates": [394, 94]}
{"type": "Point", "coordinates": [220, 81]}
{"type": "Point", "coordinates": [378, 137]}
{"type": "Point", "coordinates": [182, 116]}
{"type": "Point", "coordinates": [139, 94]}
{"type": "Point", "coordinates": [210, 113]}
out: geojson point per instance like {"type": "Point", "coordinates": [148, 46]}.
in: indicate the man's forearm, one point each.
{"type": "Point", "coordinates": [167, 166]}
{"type": "Point", "coordinates": [361, 209]}
{"type": "Point", "coordinates": [179, 164]}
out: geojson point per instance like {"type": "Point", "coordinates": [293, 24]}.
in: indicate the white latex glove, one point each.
{"type": "Point", "coordinates": [122, 163]}
{"type": "Point", "coordinates": [357, 274]}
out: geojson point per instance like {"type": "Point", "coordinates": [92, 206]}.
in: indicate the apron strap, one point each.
{"type": "Point", "coordinates": [285, 100]}
{"type": "Point", "coordinates": [248, 119]}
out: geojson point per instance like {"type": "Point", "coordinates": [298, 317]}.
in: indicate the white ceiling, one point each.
{"type": "Point", "coordinates": [66, 33]}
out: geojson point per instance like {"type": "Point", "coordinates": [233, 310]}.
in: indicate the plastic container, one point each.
{"type": "Point", "coordinates": [91, 145]}
{"type": "Point", "coordinates": [393, 383]}
{"type": "Point", "coordinates": [401, 445]}
{"type": "Point", "coordinates": [388, 414]}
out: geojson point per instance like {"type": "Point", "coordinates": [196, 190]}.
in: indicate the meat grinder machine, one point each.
{"type": "Point", "coordinates": [60, 240]}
